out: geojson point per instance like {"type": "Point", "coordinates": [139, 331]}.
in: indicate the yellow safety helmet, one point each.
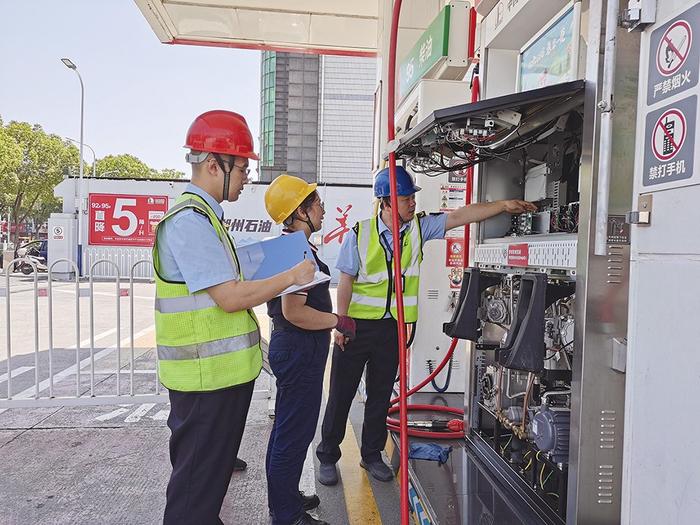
{"type": "Point", "coordinates": [285, 194]}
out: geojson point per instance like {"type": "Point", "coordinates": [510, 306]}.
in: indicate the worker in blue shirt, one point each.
{"type": "Point", "coordinates": [366, 293]}
{"type": "Point", "coordinates": [207, 336]}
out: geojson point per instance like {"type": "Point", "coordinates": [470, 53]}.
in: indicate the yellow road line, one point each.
{"type": "Point", "coordinates": [359, 498]}
{"type": "Point", "coordinates": [360, 504]}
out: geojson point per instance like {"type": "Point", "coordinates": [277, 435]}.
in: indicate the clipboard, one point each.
{"type": "Point", "coordinates": [267, 258]}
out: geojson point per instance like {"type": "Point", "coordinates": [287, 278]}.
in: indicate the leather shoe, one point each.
{"type": "Point", "coordinates": [308, 519]}
{"type": "Point", "coordinates": [309, 502]}
{"type": "Point", "coordinates": [378, 469]}
{"type": "Point", "coordinates": [239, 465]}
{"type": "Point", "coordinates": [327, 474]}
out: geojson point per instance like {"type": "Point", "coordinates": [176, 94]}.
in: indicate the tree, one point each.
{"type": "Point", "coordinates": [126, 166]}
{"type": "Point", "coordinates": [10, 160]}
{"type": "Point", "coordinates": [169, 173]}
{"type": "Point", "coordinates": [28, 185]}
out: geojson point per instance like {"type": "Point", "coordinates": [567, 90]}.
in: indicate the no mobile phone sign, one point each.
{"type": "Point", "coordinates": [670, 142]}
{"type": "Point", "coordinates": [669, 134]}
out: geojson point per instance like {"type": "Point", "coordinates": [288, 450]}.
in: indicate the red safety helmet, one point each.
{"type": "Point", "coordinates": [221, 131]}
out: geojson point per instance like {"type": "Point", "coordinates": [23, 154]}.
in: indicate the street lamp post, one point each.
{"type": "Point", "coordinates": [94, 157]}
{"type": "Point", "coordinates": [70, 65]}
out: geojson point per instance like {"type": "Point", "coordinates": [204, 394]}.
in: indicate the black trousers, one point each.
{"type": "Point", "coordinates": [207, 428]}
{"type": "Point", "coordinates": [376, 347]}
{"type": "Point", "coordinates": [298, 360]}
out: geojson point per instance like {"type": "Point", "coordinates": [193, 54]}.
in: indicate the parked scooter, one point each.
{"type": "Point", "coordinates": [26, 267]}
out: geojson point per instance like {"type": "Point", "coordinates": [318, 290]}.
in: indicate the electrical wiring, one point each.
{"type": "Point", "coordinates": [543, 482]}
{"type": "Point", "coordinates": [504, 447]}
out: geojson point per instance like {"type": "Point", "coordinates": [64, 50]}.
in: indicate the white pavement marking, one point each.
{"type": "Point", "coordinates": [17, 371]}
{"type": "Point", "coordinates": [112, 415]}
{"type": "Point", "coordinates": [161, 415]}
{"type": "Point", "coordinates": [307, 482]}
{"type": "Point", "coordinates": [57, 378]}
{"type": "Point", "coordinates": [85, 343]}
{"type": "Point", "coordinates": [137, 414]}
{"type": "Point", "coordinates": [107, 294]}
{"type": "Point", "coordinates": [114, 372]}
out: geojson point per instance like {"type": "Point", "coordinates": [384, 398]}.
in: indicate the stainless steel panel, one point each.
{"type": "Point", "coordinates": [595, 463]}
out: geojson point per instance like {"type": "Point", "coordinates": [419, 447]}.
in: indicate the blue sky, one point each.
{"type": "Point", "coordinates": [140, 95]}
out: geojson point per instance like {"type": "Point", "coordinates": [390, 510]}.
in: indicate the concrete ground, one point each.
{"type": "Point", "coordinates": [109, 463]}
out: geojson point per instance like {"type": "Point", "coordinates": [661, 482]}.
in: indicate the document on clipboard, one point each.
{"type": "Point", "coordinates": [270, 257]}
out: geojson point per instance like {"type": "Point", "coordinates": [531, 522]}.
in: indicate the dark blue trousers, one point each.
{"type": "Point", "coordinates": [207, 428]}
{"type": "Point", "coordinates": [298, 359]}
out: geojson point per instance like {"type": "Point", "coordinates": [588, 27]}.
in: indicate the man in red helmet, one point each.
{"type": "Point", "coordinates": [207, 336]}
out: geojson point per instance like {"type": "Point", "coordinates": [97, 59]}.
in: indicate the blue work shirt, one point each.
{"type": "Point", "coordinates": [190, 251]}
{"type": "Point", "coordinates": [432, 227]}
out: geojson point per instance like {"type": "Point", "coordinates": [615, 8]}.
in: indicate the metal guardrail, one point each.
{"type": "Point", "coordinates": [32, 397]}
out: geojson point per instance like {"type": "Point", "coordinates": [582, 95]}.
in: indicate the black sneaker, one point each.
{"type": "Point", "coordinates": [309, 502]}
{"type": "Point", "coordinates": [308, 519]}
{"type": "Point", "coordinates": [379, 470]}
{"type": "Point", "coordinates": [327, 474]}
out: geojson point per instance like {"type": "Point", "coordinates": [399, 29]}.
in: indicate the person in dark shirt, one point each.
{"type": "Point", "coordinates": [298, 350]}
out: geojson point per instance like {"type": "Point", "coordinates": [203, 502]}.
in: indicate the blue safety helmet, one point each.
{"type": "Point", "coordinates": [404, 183]}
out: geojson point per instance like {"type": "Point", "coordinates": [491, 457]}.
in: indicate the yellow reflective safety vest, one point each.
{"type": "Point", "coordinates": [201, 347]}
{"type": "Point", "coordinates": [373, 292]}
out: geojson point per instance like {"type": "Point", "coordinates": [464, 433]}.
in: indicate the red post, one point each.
{"type": "Point", "coordinates": [471, 51]}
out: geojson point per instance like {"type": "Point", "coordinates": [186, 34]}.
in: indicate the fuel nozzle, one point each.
{"type": "Point", "coordinates": [439, 425]}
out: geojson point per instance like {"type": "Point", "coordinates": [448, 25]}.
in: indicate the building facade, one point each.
{"type": "Point", "coordinates": [317, 117]}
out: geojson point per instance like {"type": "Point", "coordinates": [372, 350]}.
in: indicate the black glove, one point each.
{"type": "Point", "coordinates": [346, 326]}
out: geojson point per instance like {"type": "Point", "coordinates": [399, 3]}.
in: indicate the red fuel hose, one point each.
{"type": "Point", "coordinates": [403, 395]}
{"type": "Point", "coordinates": [391, 136]}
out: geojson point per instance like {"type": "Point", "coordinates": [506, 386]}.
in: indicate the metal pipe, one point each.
{"type": "Point", "coordinates": [36, 333]}
{"type": "Point", "coordinates": [131, 325]}
{"type": "Point", "coordinates": [92, 332]}
{"type": "Point", "coordinates": [507, 392]}
{"type": "Point", "coordinates": [546, 395]}
{"type": "Point", "coordinates": [8, 331]}
{"type": "Point", "coordinates": [94, 157]}
{"type": "Point", "coordinates": [606, 106]}
{"type": "Point", "coordinates": [119, 334]}
{"type": "Point", "coordinates": [50, 321]}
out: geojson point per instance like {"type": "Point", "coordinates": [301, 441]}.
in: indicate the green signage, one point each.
{"type": "Point", "coordinates": [430, 47]}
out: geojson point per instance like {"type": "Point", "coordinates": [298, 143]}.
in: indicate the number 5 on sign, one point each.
{"type": "Point", "coordinates": [124, 220]}
{"type": "Point", "coordinates": [120, 212]}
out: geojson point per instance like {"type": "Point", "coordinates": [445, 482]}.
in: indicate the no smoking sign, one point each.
{"type": "Point", "coordinates": [673, 57]}
{"type": "Point", "coordinates": [674, 47]}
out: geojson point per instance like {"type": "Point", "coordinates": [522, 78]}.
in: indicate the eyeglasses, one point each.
{"type": "Point", "coordinates": [222, 164]}
{"type": "Point", "coordinates": [244, 169]}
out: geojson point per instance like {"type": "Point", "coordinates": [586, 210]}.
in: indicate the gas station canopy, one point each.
{"type": "Point", "coordinates": [310, 26]}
